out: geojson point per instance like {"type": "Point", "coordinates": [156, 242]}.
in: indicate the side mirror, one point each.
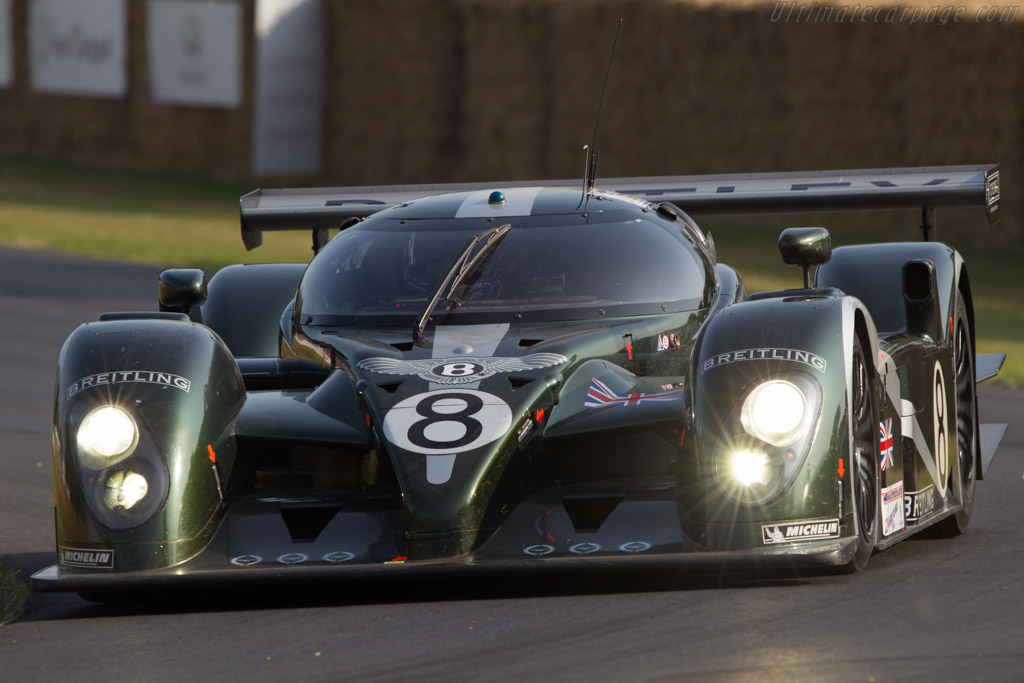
{"type": "Point", "coordinates": [181, 289]}
{"type": "Point", "coordinates": [805, 247]}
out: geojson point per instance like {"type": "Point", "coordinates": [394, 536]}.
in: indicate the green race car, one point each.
{"type": "Point", "coordinates": [495, 378]}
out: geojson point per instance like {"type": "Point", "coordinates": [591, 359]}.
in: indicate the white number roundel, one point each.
{"type": "Point", "coordinates": [447, 421]}
{"type": "Point", "coordinates": [940, 426]}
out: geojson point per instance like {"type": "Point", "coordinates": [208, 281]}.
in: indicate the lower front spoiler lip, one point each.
{"type": "Point", "coordinates": [805, 556]}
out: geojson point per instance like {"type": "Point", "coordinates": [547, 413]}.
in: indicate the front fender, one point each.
{"type": "Point", "coordinates": [807, 341]}
{"type": "Point", "coordinates": [179, 385]}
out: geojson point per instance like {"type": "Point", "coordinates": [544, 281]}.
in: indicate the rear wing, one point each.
{"type": "Point", "coordinates": [925, 189]}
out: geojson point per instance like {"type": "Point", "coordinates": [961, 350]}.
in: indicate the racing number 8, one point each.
{"type": "Point", "coordinates": [447, 421]}
{"type": "Point", "coordinates": [941, 423]}
{"type": "Point", "coordinates": [426, 408]}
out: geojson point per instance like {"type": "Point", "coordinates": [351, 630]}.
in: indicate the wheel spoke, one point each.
{"type": "Point", "coordinates": [864, 446]}
{"type": "Point", "coordinates": [964, 407]}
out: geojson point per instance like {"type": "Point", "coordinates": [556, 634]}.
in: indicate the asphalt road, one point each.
{"type": "Point", "coordinates": [935, 610]}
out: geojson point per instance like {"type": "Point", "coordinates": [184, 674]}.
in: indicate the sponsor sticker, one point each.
{"type": "Point", "coordinates": [992, 191]}
{"type": "Point", "coordinates": [143, 376]}
{"type": "Point", "coordinates": [524, 432]}
{"type": "Point", "coordinates": [918, 504]}
{"type": "Point", "coordinates": [885, 439]}
{"type": "Point", "coordinates": [794, 355]}
{"type": "Point", "coordinates": [635, 547]}
{"type": "Point", "coordinates": [83, 557]}
{"type": "Point", "coordinates": [338, 557]}
{"type": "Point", "coordinates": [292, 558]}
{"type": "Point", "coordinates": [584, 548]}
{"type": "Point", "coordinates": [790, 532]}
{"type": "Point", "coordinates": [628, 198]}
{"type": "Point", "coordinates": [539, 550]}
{"type": "Point", "coordinates": [892, 509]}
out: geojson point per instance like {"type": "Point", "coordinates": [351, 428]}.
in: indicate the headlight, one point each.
{"type": "Point", "coordinates": [776, 412]}
{"type": "Point", "coordinates": [106, 434]}
{"type": "Point", "coordinates": [123, 474]}
{"type": "Point", "coordinates": [125, 489]}
{"type": "Point", "coordinates": [750, 468]}
{"type": "Point", "coordinates": [761, 445]}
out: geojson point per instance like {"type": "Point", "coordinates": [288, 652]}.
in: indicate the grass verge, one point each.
{"type": "Point", "coordinates": [190, 220]}
{"type": "Point", "coordinates": [13, 595]}
{"type": "Point", "coordinates": [165, 219]}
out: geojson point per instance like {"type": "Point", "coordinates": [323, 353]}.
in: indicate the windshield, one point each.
{"type": "Point", "coordinates": [384, 271]}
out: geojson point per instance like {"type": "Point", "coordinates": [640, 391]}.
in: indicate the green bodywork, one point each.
{"type": "Point", "coordinates": [207, 437]}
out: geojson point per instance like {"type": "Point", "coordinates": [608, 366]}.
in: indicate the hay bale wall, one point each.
{"type": "Point", "coordinates": [450, 90]}
{"type": "Point", "coordinates": [508, 89]}
{"type": "Point", "coordinates": [133, 131]}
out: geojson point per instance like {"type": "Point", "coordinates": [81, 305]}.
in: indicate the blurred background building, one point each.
{"type": "Point", "coordinates": [401, 91]}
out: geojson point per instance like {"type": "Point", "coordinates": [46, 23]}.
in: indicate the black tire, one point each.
{"type": "Point", "coordinates": [966, 426]}
{"type": "Point", "coordinates": [863, 461]}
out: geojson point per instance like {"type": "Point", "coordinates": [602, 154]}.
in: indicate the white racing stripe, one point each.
{"type": "Point", "coordinates": [466, 340]}
{"type": "Point", "coordinates": [476, 340]}
{"type": "Point", "coordinates": [518, 202]}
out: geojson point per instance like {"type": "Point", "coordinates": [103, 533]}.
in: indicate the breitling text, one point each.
{"type": "Point", "coordinates": [145, 376]}
{"type": "Point", "coordinates": [795, 355]}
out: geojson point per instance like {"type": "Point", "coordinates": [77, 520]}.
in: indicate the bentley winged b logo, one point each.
{"type": "Point", "coordinates": [460, 369]}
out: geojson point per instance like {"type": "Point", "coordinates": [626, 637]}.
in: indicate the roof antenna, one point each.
{"type": "Point", "coordinates": [591, 151]}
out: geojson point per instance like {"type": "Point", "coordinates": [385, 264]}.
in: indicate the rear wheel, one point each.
{"type": "Point", "coordinates": [863, 460]}
{"type": "Point", "coordinates": [966, 424]}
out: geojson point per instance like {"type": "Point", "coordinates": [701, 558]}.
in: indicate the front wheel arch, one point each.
{"type": "Point", "coordinates": [863, 450]}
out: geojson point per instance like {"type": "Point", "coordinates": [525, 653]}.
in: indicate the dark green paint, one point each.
{"type": "Point", "coordinates": [314, 396]}
{"type": "Point", "coordinates": [182, 423]}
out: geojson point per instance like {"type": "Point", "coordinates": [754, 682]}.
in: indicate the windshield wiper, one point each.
{"type": "Point", "coordinates": [460, 269]}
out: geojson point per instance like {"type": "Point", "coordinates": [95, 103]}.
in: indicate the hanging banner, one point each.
{"type": "Point", "coordinates": [6, 48]}
{"type": "Point", "coordinates": [287, 106]}
{"type": "Point", "coordinates": [78, 48]}
{"type": "Point", "coordinates": [195, 52]}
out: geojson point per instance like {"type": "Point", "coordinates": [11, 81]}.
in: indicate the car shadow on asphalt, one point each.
{"type": "Point", "coordinates": [392, 590]}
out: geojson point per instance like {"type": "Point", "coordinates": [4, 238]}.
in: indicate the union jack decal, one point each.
{"type": "Point", "coordinates": [600, 394]}
{"type": "Point", "coordinates": [885, 435]}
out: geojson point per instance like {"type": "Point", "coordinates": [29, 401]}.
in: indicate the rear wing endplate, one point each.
{"type": "Point", "coordinates": [925, 189]}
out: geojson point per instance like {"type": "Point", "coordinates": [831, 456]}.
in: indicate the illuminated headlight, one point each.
{"type": "Point", "coordinates": [750, 468]}
{"type": "Point", "coordinates": [122, 472]}
{"type": "Point", "coordinates": [108, 432]}
{"type": "Point", "coordinates": [776, 412]}
{"type": "Point", "coordinates": [124, 490]}
{"type": "Point", "coordinates": [749, 475]}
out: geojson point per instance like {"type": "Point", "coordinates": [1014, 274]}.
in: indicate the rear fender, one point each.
{"type": "Point", "coordinates": [179, 385]}
{"type": "Point", "coordinates": [873, 273]}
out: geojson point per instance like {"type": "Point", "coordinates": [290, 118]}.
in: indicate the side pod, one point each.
{"type": "Point", "coordinates": [143, 445]}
